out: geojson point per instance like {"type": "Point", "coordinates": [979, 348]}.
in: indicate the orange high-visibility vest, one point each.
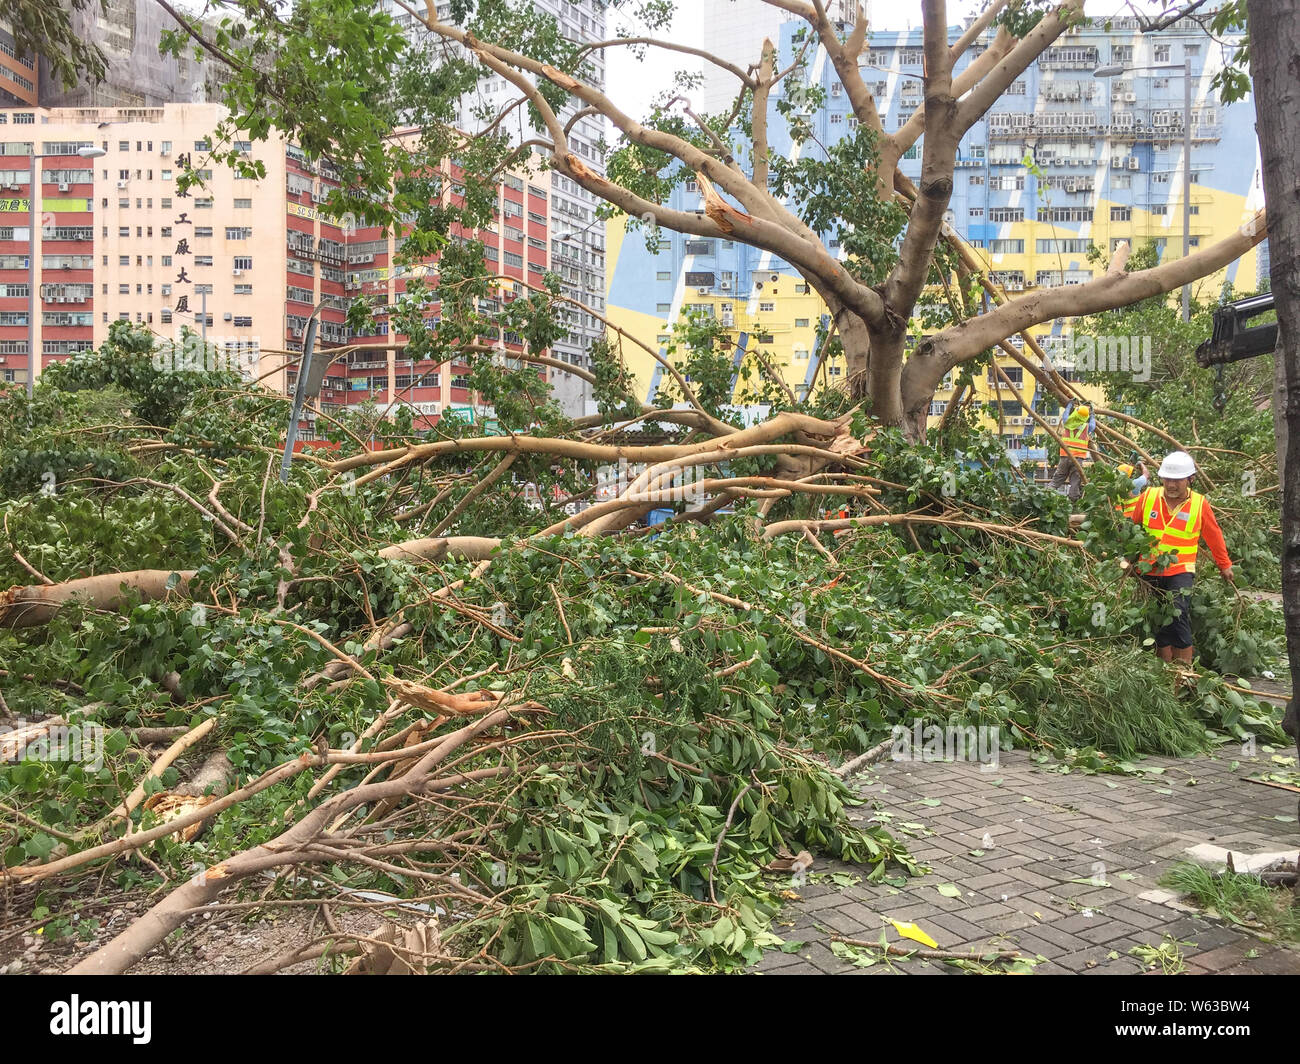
{"type": "Point", "coordinates": [1076, 443]}
{"type": "Point", "coordinates": [1179, 532]}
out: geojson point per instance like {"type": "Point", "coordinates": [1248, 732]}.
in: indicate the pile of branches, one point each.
{"type": "Point", "coordinates": [545, 741]}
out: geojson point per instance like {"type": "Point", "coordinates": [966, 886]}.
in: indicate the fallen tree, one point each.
{"type": "Point", "coordinates": [583, 743]}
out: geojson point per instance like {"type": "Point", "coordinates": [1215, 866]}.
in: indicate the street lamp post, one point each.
{"type": "Point", "coordinates": [33, 328]}
{"type": "Point", "coordinates": [1119, 68]}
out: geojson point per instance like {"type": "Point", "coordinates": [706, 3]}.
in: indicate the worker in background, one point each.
{"type": "Point", "coordinates": [1177, 519]}
{"type": "Point", "coordinates": [1075, 437]}
{"type": "Point", "coordinates": [1139, 478]}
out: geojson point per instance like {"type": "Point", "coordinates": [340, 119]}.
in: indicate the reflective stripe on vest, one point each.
{"type": "Point", "coordinates": [1076, 443]}
{"type": "Point", "coordinates": [1179, 532]}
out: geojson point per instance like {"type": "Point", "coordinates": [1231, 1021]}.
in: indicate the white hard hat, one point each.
{"type": "Point", "coordinates": [1177, 465]}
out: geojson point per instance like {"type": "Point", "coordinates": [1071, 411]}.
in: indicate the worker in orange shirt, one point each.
{"type": "Point", "coordinates": [1177, 519]}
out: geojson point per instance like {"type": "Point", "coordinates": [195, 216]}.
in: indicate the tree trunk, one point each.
{"type": "Point", "coordinates": [856, 341]}
{"type": "Point", "coordinates": [1275, 66]}
{"type": "Point", "coordinates": [1280, 433]}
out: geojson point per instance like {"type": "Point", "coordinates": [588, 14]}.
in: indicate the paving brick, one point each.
{"type": "Point", "coordinates": [1078, 923]}
{"type": "Point", "coordinates": [1078, 961]}
{"type": "Point", "coordinates": [1118, 966]}
{"type": "Point", "coordinates": [1278, 962]}
{"type": "Point", "coordinates": [1223, 957]}
{"type": "Point", "coordinates": [989, 881]}
{"type": "Point", "coordinates": [1011, 922]}
{"type": "Point", "coordinates": [959, 930]}
{"type": "Point", "coordinates": [1005, 860]}
{"type": "Point", "coordinates": [1145, 917]}
{"type": "Point", "coordinates": [1104, 930]}
{"type": "Point", "coordinates": [842, 922]}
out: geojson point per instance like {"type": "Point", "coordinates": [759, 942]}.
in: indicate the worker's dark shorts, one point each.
{"type": "Point", "coordinates": [1178, 632]}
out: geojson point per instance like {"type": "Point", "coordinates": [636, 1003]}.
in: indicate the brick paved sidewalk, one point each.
{"type": "Point", "coordinates": [1014, 840]}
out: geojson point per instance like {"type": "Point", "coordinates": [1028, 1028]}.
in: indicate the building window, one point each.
{"type": "Point", "coordinates": [1121, 214]}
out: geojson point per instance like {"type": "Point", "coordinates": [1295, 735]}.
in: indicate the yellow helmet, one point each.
{"type": "Point", "coordinates": [1127, 470]}
{"type": "Point", "coordinates": [1083, 411]}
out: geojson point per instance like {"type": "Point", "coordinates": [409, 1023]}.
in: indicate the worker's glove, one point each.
{"type": "Point", "coordinates": [1227, 575]}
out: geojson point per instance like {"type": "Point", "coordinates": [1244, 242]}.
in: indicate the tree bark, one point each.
{"type": "Point", "coordinates": [25, 607]}
{"type": "Point", "coordinates": [1280, 433]}
{"type": "Point", "coordinates": [1275, 69]}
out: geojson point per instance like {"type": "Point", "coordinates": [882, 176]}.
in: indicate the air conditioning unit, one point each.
{"type": "Point", "coordinates": [227, 316]}
{"type": "Point", "coordinates": [1015, 288]}
{"type": "Point", "coordinates": [236, 273]}
{"type": "Point", "coordinates": [3, 360]}
{"type": "Point", "coordinates": [1114, 97]}
{"type": "Point", "coordinates": [164, 152]}
{"type": "Point", "coordinates": [725, 286]}
{"type": "Point", "coordinates": [63, 186]}
{"type": "Point", "coordinates": [1130, 97]}
{"type": "Point", "coordinates": [1133, 163]}
{"type": "Point", "coordinates": [704, 291]}
{"type": "Point", "coordinates": [121, 184]}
